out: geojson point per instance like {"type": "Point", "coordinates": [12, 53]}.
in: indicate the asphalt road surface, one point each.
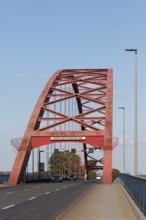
{"type": "Point", "coordinates": [41, 200]}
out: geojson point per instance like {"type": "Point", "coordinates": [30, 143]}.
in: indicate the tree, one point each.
{"type": "Point", "coordinates": [115, 173]}
{"type": "Point", "coordinates": [64, 163]}
{"type": "Point", "coordinates": [91, 173]}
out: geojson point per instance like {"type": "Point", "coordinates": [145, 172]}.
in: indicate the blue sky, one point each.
{"type": "Point", "coordinates": [39, 37]}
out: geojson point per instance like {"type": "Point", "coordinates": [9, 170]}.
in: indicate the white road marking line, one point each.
{"type": "Point", "coordinates": [26, 189]}
{"type": "Point", "coordinates": [7, 207]}
{"type": "Point", "coordinates": [57, 189]}
{"type": "Point", "coordinates": [64, 187]}
{"type": "Point", "coordinates": [32, 198]}
{"type": "Point", "coordinates": [47, 193]}
{"type": "Point", "coordinates": [10, 192]}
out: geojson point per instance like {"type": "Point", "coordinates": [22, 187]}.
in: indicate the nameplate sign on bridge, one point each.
{"type": "Point", "coordinates": [67, 138]}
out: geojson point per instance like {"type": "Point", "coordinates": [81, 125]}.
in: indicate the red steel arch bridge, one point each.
{"type": "Point", "coordinates": [75, 106]}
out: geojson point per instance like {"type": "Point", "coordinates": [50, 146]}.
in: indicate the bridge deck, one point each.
{"type": "Point", "coordinates": [103, 202]}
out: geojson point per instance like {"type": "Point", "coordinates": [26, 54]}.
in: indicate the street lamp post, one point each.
{"type": "Point", "coordinates": [123, 108]}
{"type": "Point", "coordinates": [135, 115]}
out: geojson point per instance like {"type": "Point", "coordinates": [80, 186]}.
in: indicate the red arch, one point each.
{"type": "Point", "coordinates": [92, 90]}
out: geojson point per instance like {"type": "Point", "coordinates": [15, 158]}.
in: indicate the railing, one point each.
{"type": "Point", "coordinates": [136, 187]}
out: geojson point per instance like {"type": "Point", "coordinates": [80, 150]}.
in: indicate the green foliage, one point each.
{"type": "Point", "coordinates": [65, 163]}
{"type": "Point", "coordinates": [91, 162]}
{"type": "Point", "coordinates": [115, 173]}
{"type": "Point", "coordinates": [92, 174]}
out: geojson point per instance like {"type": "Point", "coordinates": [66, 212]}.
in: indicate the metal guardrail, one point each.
{"type": "Point", "coordinates": [136, 187]}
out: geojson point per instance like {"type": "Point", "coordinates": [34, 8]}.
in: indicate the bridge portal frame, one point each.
{"type": "Point", "coordinates": [35, 136]}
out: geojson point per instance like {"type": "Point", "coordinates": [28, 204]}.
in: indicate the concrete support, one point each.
{"type": "Point", "coordinates": [107, 167]}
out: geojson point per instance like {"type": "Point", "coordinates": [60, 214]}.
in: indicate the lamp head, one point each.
{"type": "Point", "coordinates": [131, 50]}
{"type": "Point", "coordinates": [122, 108]}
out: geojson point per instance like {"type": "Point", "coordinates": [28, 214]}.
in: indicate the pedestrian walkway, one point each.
{"type": "Point", "coordinates": [4, 185]}
{"type": "Point", "coordinates": [103, 202]}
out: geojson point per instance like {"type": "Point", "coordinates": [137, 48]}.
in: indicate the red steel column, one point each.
{"type": "Point", "coordinates": [19, 167]}
{"type": "Point", "coordinates": [107, 165]}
